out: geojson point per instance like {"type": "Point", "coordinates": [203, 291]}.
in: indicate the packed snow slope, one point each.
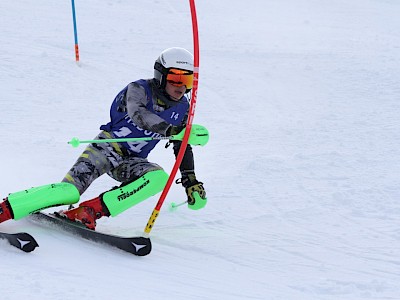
{"type": "Point", "coordinates": [301, 98]}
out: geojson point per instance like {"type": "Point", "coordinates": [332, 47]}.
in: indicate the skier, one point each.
{"type": "Point", "coordinates": [147, 107]}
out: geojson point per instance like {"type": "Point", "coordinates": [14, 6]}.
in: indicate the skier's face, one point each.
{"type": "Point", "coordinates": [175, 92]}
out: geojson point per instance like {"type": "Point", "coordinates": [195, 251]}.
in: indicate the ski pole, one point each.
{"type": "Point", "coordinates": [173, 206]}
{"type": "Point", "coordinates": [75, 142]}
{"type": "Point", "coordinates": [198, 136]}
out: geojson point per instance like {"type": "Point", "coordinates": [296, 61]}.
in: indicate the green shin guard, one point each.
{"type": "Point", "coordinates": [120, 199]}
{"type": "Point", "coordinates": [37, 198]}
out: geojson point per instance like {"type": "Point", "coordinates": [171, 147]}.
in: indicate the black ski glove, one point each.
{"type": "Point", "coordinates": [192, 185]}
{"type": "Point", "coordinates": [173, 130]}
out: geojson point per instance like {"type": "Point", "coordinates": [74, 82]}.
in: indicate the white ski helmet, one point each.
{"type": "Point", "coordinates": [174, 59]}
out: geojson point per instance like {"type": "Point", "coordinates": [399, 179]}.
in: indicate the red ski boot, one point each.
{"type": "Point", "coordinates": [87, 213]}
{"type": "Point", "coordinates": [5, 211]}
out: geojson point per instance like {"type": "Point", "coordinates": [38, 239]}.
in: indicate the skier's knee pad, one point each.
{"type": "Point", "coordinates": [124, 197]}
{"type": "Point", "coordinates": [37, 198]}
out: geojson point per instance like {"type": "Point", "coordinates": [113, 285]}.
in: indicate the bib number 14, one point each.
{"type": "Point", "coordinates": [133, 146]}
{"type": "Point", "coordinates": [137, 146]}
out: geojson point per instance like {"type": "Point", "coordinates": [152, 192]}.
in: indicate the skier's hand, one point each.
{"type": "Point", "coordinates": [199, 188]}
{"type": "Point", "coordinates": [195, 192]}
{"type": "Point", "coordinates": [198, 135]}
{"type": "Point", "coordinates": [174, 130]}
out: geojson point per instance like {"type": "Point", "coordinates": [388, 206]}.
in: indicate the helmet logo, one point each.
{"type": "Point", "coordinates": [182, 62]}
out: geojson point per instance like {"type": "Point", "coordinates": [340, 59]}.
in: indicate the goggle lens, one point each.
{"type": "Point", "coordinates": [180, 77]}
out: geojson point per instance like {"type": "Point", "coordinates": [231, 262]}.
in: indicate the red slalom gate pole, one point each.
{"type": "Point", "coordinates": [189, 122]}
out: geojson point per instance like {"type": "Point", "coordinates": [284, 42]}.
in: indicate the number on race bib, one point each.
{"type": "Point", "coordinates": [136, 146]}
{"type": "Point", "coordinates": [174, 115]}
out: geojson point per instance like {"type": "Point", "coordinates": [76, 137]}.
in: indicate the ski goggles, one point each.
{"type": "Point", "coordinates": [178, 77]}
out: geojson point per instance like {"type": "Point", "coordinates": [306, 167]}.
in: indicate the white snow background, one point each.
{"type": "Point", "coordinates": [301, 98]}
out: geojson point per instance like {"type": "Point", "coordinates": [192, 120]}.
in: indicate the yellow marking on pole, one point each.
{"type": "Point", "coordinates": [151, 221]}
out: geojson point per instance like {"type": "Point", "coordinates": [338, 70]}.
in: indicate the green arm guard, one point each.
{"type": "Point", "coordinates": [198, 203]}
{"type": "Point", "coordinates": [199, 135]}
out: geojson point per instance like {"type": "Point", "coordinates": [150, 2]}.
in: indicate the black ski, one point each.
{"type": "Point", "coordinates": [21, 240]}
{"type": "Point", "coordinates": [139, 246]}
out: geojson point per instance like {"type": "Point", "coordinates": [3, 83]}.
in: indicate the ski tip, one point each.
{"type": "Point", "coordinates": [27, 242]}
{"type": "Point", "coordinates": [21, 240]}
{"type": "Point", "coordinates": [142, 246]}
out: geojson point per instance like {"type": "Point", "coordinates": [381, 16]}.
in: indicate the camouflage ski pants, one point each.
{"type": "Point", "coordinates": [110, 158]}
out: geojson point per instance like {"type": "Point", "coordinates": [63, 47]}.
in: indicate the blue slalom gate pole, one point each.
{"type": "Point", "coordinates": [75, 32]}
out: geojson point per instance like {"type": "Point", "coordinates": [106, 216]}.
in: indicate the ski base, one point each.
{"type": "Point", "coordinates": [21, 240]}
{"type": "Point", "coordinates": [139, 246]}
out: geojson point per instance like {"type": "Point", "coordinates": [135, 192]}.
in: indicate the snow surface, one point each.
{"type": "Point", "coordinates": [301, 98]}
